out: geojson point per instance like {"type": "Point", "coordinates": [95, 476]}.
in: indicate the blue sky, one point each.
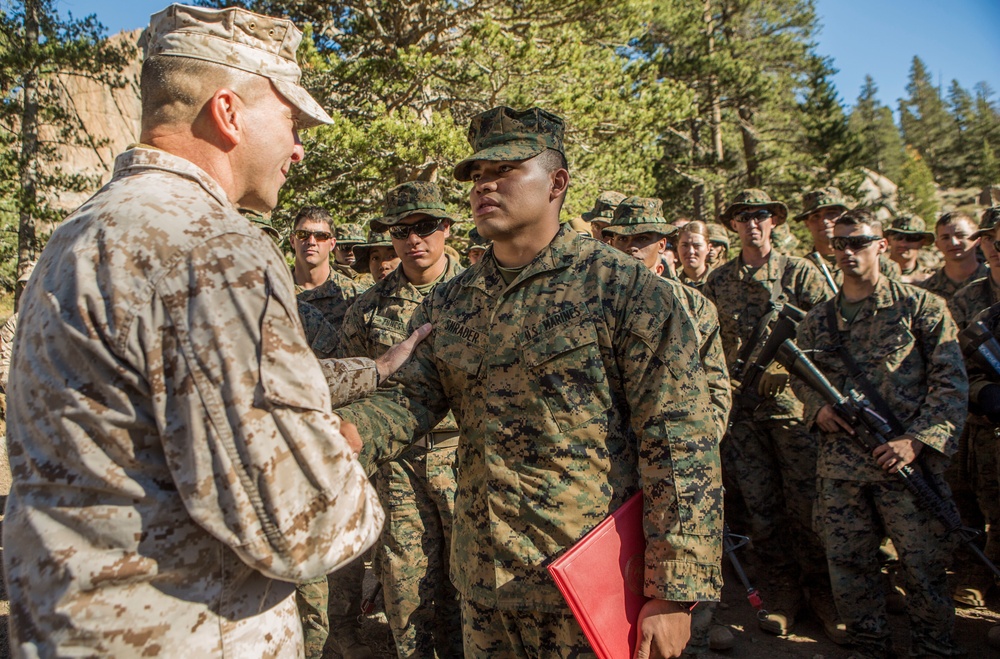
{"type": "Point", "coordinates": [957, 39]}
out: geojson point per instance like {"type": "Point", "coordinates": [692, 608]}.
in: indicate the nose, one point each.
{"type": "Point", "coordinates": [485, 183]}
{"type": "Point", "coordinates": [298, 153]}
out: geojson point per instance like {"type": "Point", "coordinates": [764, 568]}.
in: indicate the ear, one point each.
{"type": "Point", "coordinates": [658, 268]}
{"type": "Point", "coordinates": [559, 184]}
{"type": "Point", "coordinates": [661, 246]}
{"type": "Point", "coordinates": [883, 246]}
{"type": "Point", "coordinates": [447, 230]}
{"type": "Point", "coordinates": [226, 112]}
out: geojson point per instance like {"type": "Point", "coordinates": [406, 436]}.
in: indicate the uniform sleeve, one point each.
{"type": "Point", "coordinates": [943, 411]}
{"type": "Point", "coordinates": [714, 360]}
{"type": "Point", "coordinates": [679, 465]}
{"type": "Point", "coordinates": [247, 432]}
{"type": "Point", "coordinates": [407, 406]}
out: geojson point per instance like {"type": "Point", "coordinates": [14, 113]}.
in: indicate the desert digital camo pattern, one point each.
{"type": "Point", "coordinates": [906, 332]}
{"type": "Point", "coordinates": [417, 489]}
{"type": "Point", "coordinates": [174, 471]}
{"type": "Point", "coordinates": [7, 348]}
{"type": "Point", "coordinates": [573, 387]}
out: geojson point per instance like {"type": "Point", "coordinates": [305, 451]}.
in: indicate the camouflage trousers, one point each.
{"type": "Point", "coordinates": [513, 634]}
{"type": "Point", "coordinates": [770, 468]}
{"type": "Point", "coordinates": [331, 606]}
{"type": "Point", "coordinates": [418, 494]}
{"type": "Point", "coordinates": [853, 517]}
{"type": "Point", "coordinates": [974, 477]}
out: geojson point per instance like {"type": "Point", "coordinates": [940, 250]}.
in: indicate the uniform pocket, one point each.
{"type": "Point", "coordinates": [569, 372]}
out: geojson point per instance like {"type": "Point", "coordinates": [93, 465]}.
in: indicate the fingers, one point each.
{"type": "Point", "coordinates": [352, 436]}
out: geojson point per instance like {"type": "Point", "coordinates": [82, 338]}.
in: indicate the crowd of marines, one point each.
{"type": "Point", "coordinates": [207, 444]}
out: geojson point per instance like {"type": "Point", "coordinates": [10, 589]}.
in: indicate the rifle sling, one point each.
{"type": "Point", "coordinates": [773, 308]}
{"type": "Point", "coordinates": [857, 375]}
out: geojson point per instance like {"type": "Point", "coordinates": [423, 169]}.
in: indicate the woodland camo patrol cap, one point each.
{"type": "Point", "coordinates": [507, 134]}
{"type": "Point", "coordinates": [349, 233]}
{"type": "Point", "coordinates": [989, 221]}
{"type": "Point", "coordinates": [821, 199]}
{"type": "Point", "coordinates": [408, 199]}
{"type": "Point", "coordinates": [240, 39]}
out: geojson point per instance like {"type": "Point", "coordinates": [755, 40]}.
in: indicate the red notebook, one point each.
{"type": "Point", "coordinates": [601, 577]}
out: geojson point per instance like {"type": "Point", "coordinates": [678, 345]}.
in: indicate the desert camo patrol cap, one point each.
{"type": "Point", "coordinates": [240, 39]}
{"type": "Point", "coordinates": [507, 134]}
{"type": "Point", "coordinates": [635, 215]}
{"type": "Point", "coordinates": [408, 199]}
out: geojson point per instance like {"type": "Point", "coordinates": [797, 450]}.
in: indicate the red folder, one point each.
{"type": "Point", "coordinates": [601, 577]}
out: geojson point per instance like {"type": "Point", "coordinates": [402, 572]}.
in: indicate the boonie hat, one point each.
{"type": "Point", "coordinates": [635, 215]}
{"type": "Point", "coordinates": [910, 225]}
{"type": "Point", "coordinates": [989, 221]}
{"type": "Point", "coordinates": [604, 207]}
{"type": "Point", "coordinates": [409, 199]}
{"type": "Point", "coordinates": [349, 233]}
{"type": "Point", "coordinates": [507, 134]}
{"type": "Point", "coordinates": [750, 199]}
{"type": "Point", "coordinates": [240, 39]}
{"type": "Point", "coordinates": [362, 251]}
{"type": "Point", "coordinates": [821, 199]}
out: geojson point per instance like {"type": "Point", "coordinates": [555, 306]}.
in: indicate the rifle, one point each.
{"type": "Point", "coordinates": [820, 262]}
{"type": "Point", "coordinates": [746, 395]}
{"type": "Point", "coordinates": [729, 549]}
{"type": "Point", "coordinates": [871, 430]}
{"type": "Point", "coordinates": [978, 342]}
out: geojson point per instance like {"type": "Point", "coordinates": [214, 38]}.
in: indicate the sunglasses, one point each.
{"type": "Point", "coordinates": [303, 235]}
{"type": "Point", "coordinates": [423, 228]}
{"type": "Point", "coordinates": [758, 216]}
{"type": "Point", "coordinates": [907, 238]}
{"type": "Point", "coordinates": [854, 243]}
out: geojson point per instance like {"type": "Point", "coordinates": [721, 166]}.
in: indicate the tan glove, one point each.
{"type": "Point", "coordinates": [773, 381]}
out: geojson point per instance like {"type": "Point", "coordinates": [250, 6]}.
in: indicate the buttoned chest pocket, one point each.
{"type": "Point", "coordinates": [569, 373]}
{"type": "Point", "coordinates": [459, 360]}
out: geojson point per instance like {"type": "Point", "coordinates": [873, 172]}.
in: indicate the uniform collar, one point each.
{"type": "Point", "coordinates": [142, 157]}
{"type": "Point", "coordinates": [556, 255]}
{"type": "Point", "coordinates": [397, 285]}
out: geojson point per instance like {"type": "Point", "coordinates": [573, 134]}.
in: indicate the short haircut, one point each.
{"type": "Point", "coordinates": [952, 217]}
{"type": "Point", "coordinates": [313, 214]}
{"type": "Point", "coordinates": [860, 217]}
{"type": "Point", "coordinates": [552, 160]}
{"type": "Point", "coordinates": [175, 89]}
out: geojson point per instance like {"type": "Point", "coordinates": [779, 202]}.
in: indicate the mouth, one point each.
{"type": "Point", "coordinates": [416, 254]}
{"type": "Point", "coordinates": [486, 205]}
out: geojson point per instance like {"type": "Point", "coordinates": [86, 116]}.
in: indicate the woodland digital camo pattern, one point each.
{"type": "Point", "coordinates": [604, 207]}
{"type": "Point", "coordinates": [174, 471]}
{"type": "Point", "coordinates": [488, 633]}
{"type": "Point", "coordinates": [349, 234]}
{"type": "Point", "coordinates": [742, 295]}
{"type": "Point", "coordinates": [408, 199]}
{"type": "Point", "coordinates": [332, 297]}
{"type": "Point", "coordinates": [905, 343]}
{"type": "Point", "coordinates": [635, 215]}
{"type": "Point", "coordinates": [817, 200]}
{"type": "Point", "coordinates": [900, 331]}
{"type": "Point", "coordinates": [753, 199]}
{"type": "Point", "coordinates": [910, 225]}
{"type": "Point", "coordinates": [941, 284]}
{"type": "Point", "coordinates": [320, 336]}
{"type": "Point", "coordinates": [543, 377]}
{"type": "Point", "coordinates": [503, 133]}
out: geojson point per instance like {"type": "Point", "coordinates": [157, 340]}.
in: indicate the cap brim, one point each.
{"type": "Point", "coordinates": [802, 216]}
{"type": "Point", "coordinates": [778, 210]}
{"type": "Point", "coordinates": [311, 114]}
{"type": "Point", "coordinates": [463, 170]}
{"type": "Point", "coordinates": [665, 230]}
{"type": "Point", "coordinates": [926, 235]}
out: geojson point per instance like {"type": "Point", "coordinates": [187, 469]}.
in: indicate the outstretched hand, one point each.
{"type": "Point", "coordinates": [394, 358]}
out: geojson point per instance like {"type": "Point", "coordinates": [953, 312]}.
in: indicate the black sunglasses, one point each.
{"type": "Point", "coordinates": [854, 243]}
{"type": "Point", "coordinates": [759, 215]}
{"type": "Point", "coordinates": [423, 228]}
{"type": "Point", "coordinates": [303, 235]}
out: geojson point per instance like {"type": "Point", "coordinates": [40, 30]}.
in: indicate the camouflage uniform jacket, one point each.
{"type": "Point", "coordinates": [363, 279]}
{"type": "Point", "coordinates": [905, 342]}
{"type": "Point", "coordinates": [573, 387]}
{"type": "Point", "coordinates": [378, 318]}
{"type": "Point", "coordinates": [6, 348]}
{"type": "Point", "coordinates": [693, 283]}
{"type": "Point", "coordinates": [172, 472]}
{"type": "Point", "coordinates": [332, 297]}
{"type": "Point", "coordinates": [940, 284]}
{"type": "Point", "coordinates": [742, 296]}
{"type": "Point", "coordinates": [706, 320]}
{"type": "Point", "coordinates": [965, 305]}
{"type": "Point", "coordinates": [886, 266]}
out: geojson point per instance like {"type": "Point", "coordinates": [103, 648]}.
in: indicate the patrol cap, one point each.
{"type": "Point", "coordinates": [476, 241]}
{"type": "Point", "coordinates": [240, 39]}
{"type": "Point", "coordinates": [989, 221]}
{"type": "Point", "coordinates": [910, 225]}
{"type": "Point", "coordinates": [635, 215]}
{"type": "Point", "coordinates": [507, 134]}
{"type": "Point", "coordinates": [362, 251]}
{"type": "Point", "coordinates": [717, 234]}
{"type": "Point", "coordinates": [349, 233]}
{"type": "Point", "coordinates": [750, 199]}
{"type": "Point", "coordinates": [604, 207]}
{"type": "Point", "coordinates": [821, 199]}
{"type": "Point", "coordinates": [409, 199]}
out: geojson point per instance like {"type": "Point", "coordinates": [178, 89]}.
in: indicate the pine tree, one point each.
{"type": "Point", "coordinates": [880, 142]}
{"type": "Point", "coordinates": [916, 187]}
{"type": "Point", "coordinates": [36, 45]}
{"type": "Point", "coordinates": [828, 140]}
{"type": "Point", "coordinates": [925, 121]}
